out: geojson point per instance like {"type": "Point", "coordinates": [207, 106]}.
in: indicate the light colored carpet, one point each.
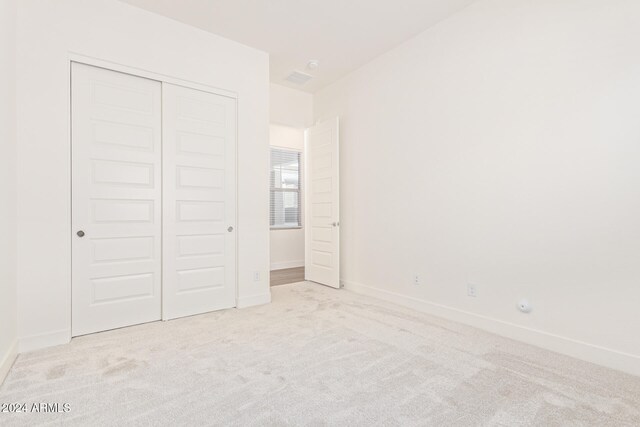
{"type": "Point", "coordinates": [315, 356]}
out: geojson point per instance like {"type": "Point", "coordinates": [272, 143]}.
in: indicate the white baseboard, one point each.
{"type": "Point", "coordinates": [599, 355]}
{"type": "Point", "coordinates": [47, 339]}
{"type": "Point", "coordinates": [286, 264]}
{"type": "Point", "coordinates": [7, 359]}
{"type": "Point", "coordinates": [253, 300]}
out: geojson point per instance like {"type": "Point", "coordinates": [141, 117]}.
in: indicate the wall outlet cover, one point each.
{"type": "Point", "coordinates": [472, 290]}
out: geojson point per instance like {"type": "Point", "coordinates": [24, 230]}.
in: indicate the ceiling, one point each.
{"type": "Point", "coordinates": [341, 34]}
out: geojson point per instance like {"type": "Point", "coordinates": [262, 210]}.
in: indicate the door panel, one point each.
{"type": "Point", "coordinates": [199, 204]}
{"type": "Point", "coordinates": [116, 185]}
{"type": "Point", "coordinates": [322, 211]}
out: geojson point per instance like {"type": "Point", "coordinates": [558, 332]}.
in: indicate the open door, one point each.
{"type": "Point", "coordinates": [322, 204]}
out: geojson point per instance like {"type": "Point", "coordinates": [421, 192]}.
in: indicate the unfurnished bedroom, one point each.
{"type": "Point", "coordinates": [310, 213]}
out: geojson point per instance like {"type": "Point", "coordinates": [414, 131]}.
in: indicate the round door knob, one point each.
{"type": "Point", "coordinates": [80, 233]}
{"type": "Point", "coordinates": [230, 229]}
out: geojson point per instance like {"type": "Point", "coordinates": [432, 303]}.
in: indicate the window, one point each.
{"type": "Point", "coordinates": [285, 189]}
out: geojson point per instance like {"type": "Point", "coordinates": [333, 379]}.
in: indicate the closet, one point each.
{"type": "Point", "coordinates": [153, 200]}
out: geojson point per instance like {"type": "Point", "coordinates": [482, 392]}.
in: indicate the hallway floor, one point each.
{"type": "Point", "coordinates": [286, 276]}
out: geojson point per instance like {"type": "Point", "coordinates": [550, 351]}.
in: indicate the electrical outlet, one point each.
{"type": "Point", "coordinates": [416, 280]}
{"type": "Point", "coordinates": [256, 276]}
{"type": "Point", "coordinates": [472, 290]}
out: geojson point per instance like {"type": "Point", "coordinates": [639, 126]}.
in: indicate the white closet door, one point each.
{"type": "Point", "coordinates": [116, 200]}
{"type": "Point", "coordinates": [199, 202]}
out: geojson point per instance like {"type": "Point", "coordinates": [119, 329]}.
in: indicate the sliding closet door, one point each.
{"type": "Point", "coordinates": [116, 200]}
{"type": "Point", "coordinates": [199, 202]}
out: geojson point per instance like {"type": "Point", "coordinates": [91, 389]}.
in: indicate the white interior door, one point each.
{"type": "Point", "coordinates": [116, 196]}
{"type": "Point", "coordinates": [199, 202]}
{"type": "Point", "coordinates": [322, 210]}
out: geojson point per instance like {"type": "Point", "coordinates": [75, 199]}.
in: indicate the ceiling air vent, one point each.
{"type": "Point", "coordinates": [298, 78]}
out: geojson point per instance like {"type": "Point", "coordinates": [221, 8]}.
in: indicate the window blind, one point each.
{"type": "Point", "coordinates": [285, 185]}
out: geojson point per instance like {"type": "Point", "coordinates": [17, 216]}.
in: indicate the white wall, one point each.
{"type": "Point", "coordinates": [116, 32]}
{"type": "Point", "coordinates": [290, 107]}
{"type": "Point", "coordinates": [502, 148]}
{"type": "Point", "coordinates": [291, 111]}
{"type": "Point", "coordinates": [287, 245]}
{"type": "Point", "coordinates": [8, 299]}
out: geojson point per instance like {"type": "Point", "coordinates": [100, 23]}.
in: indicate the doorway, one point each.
{"type": "Point", "coordinates": [305, 204]}
{"type": "Point", "coordinates": [286, 198]}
